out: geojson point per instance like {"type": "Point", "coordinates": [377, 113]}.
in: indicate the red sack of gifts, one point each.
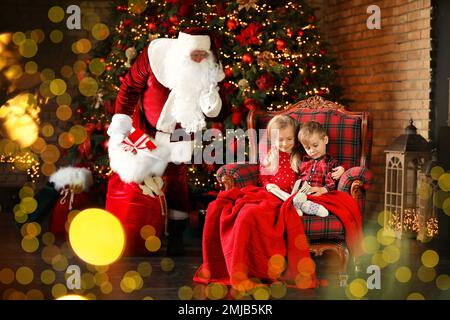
{"type": "Point", "coordinates": [73, 184]}
{"type": "Point", "coordinates": [135, 210]}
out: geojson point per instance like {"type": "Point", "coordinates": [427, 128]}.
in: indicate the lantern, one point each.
{"type": "Point", "coordinates": [405, 159]}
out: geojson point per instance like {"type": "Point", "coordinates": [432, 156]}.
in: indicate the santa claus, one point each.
{"type": "Point", "coordinates": [171, 84]}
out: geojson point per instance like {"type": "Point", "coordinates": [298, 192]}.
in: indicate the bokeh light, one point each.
{"type": "Point", "coordinates": [426, 274]}
{"type": "Point", "coordinates": [278, 290]}
{"type": "Point", "coordinates": [48, 238]}
{"type": "Point", "coordinates": [96, 66]}
{"type": "Point", "coordinates": [261, 293]}
{"type": "Point", "coordinates": [66, 71]}
{"type": "Point", "coordinates": [58, 87]}
{"type": "Point", "coordinates": [37, 35]}
{"type": "Point", "coordinates": [24, 275]}
{"type": "Point", "coordinates": [56, 14]}
{"type": "Point", "coordinates": [403, 274]}
{"type": "Point", "coordinates": [185, 293]}
{"type": "Point", "coordinates": [18, 38]}
{"type": "Point", "coordinates": [216, 291]}
{"type": "Point", "coordinates": [444, 182]}
{"type": "Point", "coordinates": [65, 140]}
{"type": "Point", "coordinates": [48, 169]}
{"type": "Point", "coordinates": [78, 133]}
{"type": "Point", "coordinates": [436, 172]}
{"type": "Point", "coordinates": [391, 254]}
{"type": "Point", "coordinates": [31, 67]}
{"type": "Point", "coordinates": [72, 297]}
{"type": "Point", "coordinates": [370, 245]}
{"type": "Point", "coordinates": [147, 231]}
{"type": "Point", "coordinates": [153, 243]}
{"type": "Point", "coordinates": [88, 86]}
{"type": "Point", "coordinates": [358, 288]}
{"type": "Point", "coordinates": [29, 244]}
{"type": "Point", "coordinates": [100, 31]}
{"type": "Point", "coordinates": [167, 264]}
{"type": "Point", "coordinates": [56, 36]}
{"type": "Point", "coordinates": [97, 236]}
{"type": "Point", "coordinates": [50, 154]}
{"type": "Point", "coordinates": [443, 282]}
{"type": "Point", "coordinates": [34, 294]}
{"type": "Point", "coordinates": [415, 296]}
{"type": "Point", "coordinates": [430, 258]}
{"type": "Point", "coordinates": [48, 276]}
{"type": "Point", "coordinates": [47, 130]}
{"type": "Point", "coordinates": [6, 276]}
{"type": "Point", "coordinates": [28, 48]}
{"type": "Point", "coordinates": [64, 112]}
{"type": "Point", "coordinates": [145, 269]}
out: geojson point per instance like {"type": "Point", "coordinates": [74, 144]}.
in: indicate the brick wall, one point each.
{"type": "Point", "coordinates": [385, 72]}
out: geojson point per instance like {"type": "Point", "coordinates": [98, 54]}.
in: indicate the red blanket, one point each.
{"type": "Point", "coordinates": [343, 206]}
{"type": "Point", "coordinates": [250, 233]}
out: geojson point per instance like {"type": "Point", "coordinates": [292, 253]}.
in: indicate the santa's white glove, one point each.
{"type": "Point", "coordinates": [210, 102]}
{"type": "Point", "coordinates": [120, 125]}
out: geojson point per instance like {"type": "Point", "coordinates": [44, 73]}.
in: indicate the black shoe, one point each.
{"type": "Point", "coordinates": [175, 246]}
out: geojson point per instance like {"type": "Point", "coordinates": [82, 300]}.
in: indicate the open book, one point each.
{"type": "Point", "coordinates": [273, 188]}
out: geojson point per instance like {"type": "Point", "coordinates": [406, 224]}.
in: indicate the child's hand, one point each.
{"type": "Point", "coordinates": [337, 172]}
{"type": "Point", "coordinates": [317, 191]}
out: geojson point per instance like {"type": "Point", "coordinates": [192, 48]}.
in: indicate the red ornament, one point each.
{"type": "Point", "coordinates": [280, 44]}
{"type": "Point", "coordinates": [79, 110]}
{"type": "Point", "coordinates": [287, 64]}
{"type": "Point", "coordinates": [289, 32]}
{"type": "Point", "coordinates": [323, 51]}
{"type": "Point", "coordinates": [218, 126]}
{"type": "Point", "coordinates": [311, 19]}
{"type": "Point", "coordinates": [127, 22]}
{"type": "Point", "coordinates": [85, 149]}
{"type": "Point", "coordinates": [174, 20]}
{"type": "Point", "coordinates": [247, 58]}
{"type": "Point", "coordinates": [152, 27]}
{"type": "Point", "coordinates": [285, 81]}
{"type": "Point", "coordinates": [250, 104]}
{"type": "Point", "coordinates": [99, 126]}
{"type": "Point", "coordinates": [185, 10]}
{"type": "Point", "coordinates": [232, 24]}
{"type": "Point", "coordinates": [265, 81]}
{"type": "Point", "coordinates": [306, 82]}
{"type": "Point", "coordinates": [300, 33]}
{"type": "Point", "coordinates": [106, 127]}
{"type": "Point", "coordinates": [121, 79]}
{"type": "Point", "coordinates": [236, 118]}
{"type": "Point", "coordinates": [105, 144]}
{"type": "Point", "coordinates": [228, 72]}
{"type": "Point", "coordinates": [90, 127]}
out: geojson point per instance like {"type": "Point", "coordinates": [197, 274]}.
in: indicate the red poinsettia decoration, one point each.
{"type": "Point", "coordinates": [265, 81]}
{"type": "Point", "coordinates": [250, 35]}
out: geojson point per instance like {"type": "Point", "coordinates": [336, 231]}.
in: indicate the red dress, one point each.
{"type": "Point", "coordinates": [285, 177]}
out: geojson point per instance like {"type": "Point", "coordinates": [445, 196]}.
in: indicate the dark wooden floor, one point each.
{"type": "Point", "coordinates": [166, 284]}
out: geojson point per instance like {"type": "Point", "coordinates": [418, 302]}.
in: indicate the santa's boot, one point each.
{"type": "Point", "coordinates": [176, 225]}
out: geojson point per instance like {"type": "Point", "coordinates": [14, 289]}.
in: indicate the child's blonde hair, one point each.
{"type": "Point", "coordinates": [281, 122]}
{"type": "Point", "coordinates": [310, 128]}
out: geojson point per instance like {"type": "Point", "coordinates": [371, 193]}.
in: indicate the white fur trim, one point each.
{"type": "Point", "coordinates": [180, 151]}
{"type": "Point", "coordinates": [166, 121]}
{"type": "Point", "coordinates": [185, 44]}
{"type": "Point", "coordinates": [71, 176]}
{"type": "Point", "coordinates": [121, 124]}
{"type": "Point", "coordinates": [136, 167]}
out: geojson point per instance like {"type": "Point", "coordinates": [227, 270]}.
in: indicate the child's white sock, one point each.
{"type": "Point", "coordinates": [313, 208]}
{"type": "Point", "coordinates": [298, 201]}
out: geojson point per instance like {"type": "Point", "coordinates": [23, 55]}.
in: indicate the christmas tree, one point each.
{"type": "Point", "coordinates": [271, 51]}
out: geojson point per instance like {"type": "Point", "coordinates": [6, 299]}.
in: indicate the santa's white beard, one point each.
{"type": "Point", "coordinates": [190, 81]}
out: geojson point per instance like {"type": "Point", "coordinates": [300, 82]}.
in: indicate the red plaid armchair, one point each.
{"type": "Point", "coordinates": [350, 141]}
